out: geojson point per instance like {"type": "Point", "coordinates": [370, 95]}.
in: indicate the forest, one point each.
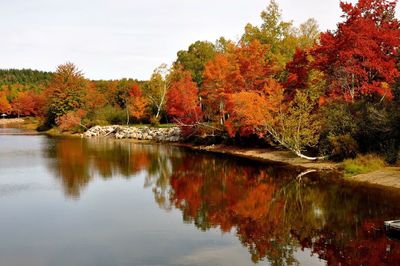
{"type": "Point", "coordinates": [332, 94]}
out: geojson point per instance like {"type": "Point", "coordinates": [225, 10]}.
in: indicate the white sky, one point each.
{"type": "Point", "coordinates": [110, 39]}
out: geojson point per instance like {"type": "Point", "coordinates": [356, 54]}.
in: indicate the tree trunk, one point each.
{"type": "Point", "coordinates": [127, 115]}
{"type": "Point", "coordinates": [308, 157]}
{"type": "Point", "coordinates": [295, 151]}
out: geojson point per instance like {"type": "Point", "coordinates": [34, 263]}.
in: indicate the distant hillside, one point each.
{"type": "Point", "coordinates": [24, 77]}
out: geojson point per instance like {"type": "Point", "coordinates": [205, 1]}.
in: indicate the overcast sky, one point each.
{"type": "Point", "coordinates": [110, 39]}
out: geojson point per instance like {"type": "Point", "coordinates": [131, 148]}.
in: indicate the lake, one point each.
{"type": "Point", "coordinates": [71, 201]}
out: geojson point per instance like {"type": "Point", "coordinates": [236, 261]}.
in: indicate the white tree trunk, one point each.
{"type": "Point", "coordinates": [298, 153]}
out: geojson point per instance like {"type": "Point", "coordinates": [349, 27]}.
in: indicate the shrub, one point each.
{"type": "Point", "coordinates": [155, 121]}
{"type": "Point", "coordinates": [108, 115]}
{"type": "Point", "coordinates": [342, 146]}
{"type": "Point", "coordinates": [338, 131]}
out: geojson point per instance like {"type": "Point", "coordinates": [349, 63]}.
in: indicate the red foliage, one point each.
{"type": "Point", "coordinates": [298, 70]}
{"type": "Point", "coordinates": [135, 91]}
{"type": "Point", "coordinates": [359, 59]}
{"type": "Point", "coordinates": [183, 101]}
{"type": "Point", "coordinates": [28, 104]}
{"type": "Point", "coordinates": [70, 120]}
{"type": "Point", "coordinates": [243, 68]}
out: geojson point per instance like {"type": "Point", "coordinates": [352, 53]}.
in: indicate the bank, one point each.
{"type": "Point", "coordinates": [388, 177]}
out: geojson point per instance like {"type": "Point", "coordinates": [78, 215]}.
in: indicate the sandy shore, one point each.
{"type": "Point", "coordinates": [388, 177]}
{"type": "Point", "coordinates": [269, 155]}
{"type": "Point", "coordinates": [8, 121]}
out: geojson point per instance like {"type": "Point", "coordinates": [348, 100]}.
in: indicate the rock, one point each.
{"type": "Point", "coordinates": [172, 134]}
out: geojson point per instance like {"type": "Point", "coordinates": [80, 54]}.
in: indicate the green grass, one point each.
{"type": "Point", "coordinates": [166, 125]}
{"type": "Point", "coordinates": [363, 164]}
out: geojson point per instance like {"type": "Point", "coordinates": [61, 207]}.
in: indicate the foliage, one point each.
{"type": "Point", "coordinates": [71, 121]}
{"type": "Point", "coordinates": [156, 90]}
{"type": "Point", "coordinates": [338, 131]}
{"type": "Point", "coordinates": [29, 104]}
{"type": "Point", "coordinates": [242, 68]}
{"type": "Point", "coordinates": [341, 147]}
{"type": "Point", "coordinates": [195, 58]}
{"type": "Point", "coordinates": [183, 104]}
{"type": "Point", "coordinates": [24, 77]}
{"type": "Point", "coordinates": [336, 93]}
{"type": "Point", "coordinates": [359, 58]}
{"type": "Point", "coordinates": [280, 35]}
{"type": "Point", "coordinates": [5, 106]}
{"type": "Point", "coordinates": [379, 130]}
{"type": "Point", "coordinates": [297, 127]}
{"type": "Point", "coordinates": [66, 91]}
{"type": "Point", "coordinates": [137, 103]}
{"type": "Point", "coordinates": [107, 115]}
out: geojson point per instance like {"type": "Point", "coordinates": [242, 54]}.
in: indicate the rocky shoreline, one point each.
{"type": "Point", "coordinates": [172, 134]}
{"type": "Point", "coordinates": [388, 179]}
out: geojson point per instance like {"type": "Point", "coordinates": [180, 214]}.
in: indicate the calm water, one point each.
{"type": "Point", "coordinates": [97, 202]}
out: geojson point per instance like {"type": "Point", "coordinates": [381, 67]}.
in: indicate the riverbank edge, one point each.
{"type": "Point", "coordinates": [11, 121]}
{"type": "Point", "coordinates": [386, 177]}
{"type": "Point", "coordinates": [274, 156]}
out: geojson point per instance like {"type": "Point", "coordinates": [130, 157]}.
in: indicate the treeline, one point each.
{"type": "Point", "coordinates": [24, 77]}
{"type": "Point", "coordinates": [330, 94]}
{"type": "Point", "coordinates": [18, 85]}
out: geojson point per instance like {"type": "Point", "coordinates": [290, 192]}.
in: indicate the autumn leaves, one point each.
{"type": "Point", "coordinates": [295, 86]}
{"type": "Point", "coordinates": [279, 81]}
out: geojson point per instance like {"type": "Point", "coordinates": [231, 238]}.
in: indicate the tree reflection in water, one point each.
{"type": "Point", "coordinates": [271, 212]}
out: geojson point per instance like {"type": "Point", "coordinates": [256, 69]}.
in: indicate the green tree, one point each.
{"type": "Point", "coordinates": [296, 127]}
{"type": "Point", "coordinates": [282, 37]}
{"type": "Point", "coordinates": [195, 58]}
{"type": "Point", "coordinates": [155, 90]}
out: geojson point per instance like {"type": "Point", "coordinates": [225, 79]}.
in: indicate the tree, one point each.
{"type": "Point", "coordinates": [183, 104]}
{"type": "Point", "coordinates": [137, 103]}
{"type": "Point", "coordinates": [359, 59]}
{"type": "Point", "coordinates": [66, 91]}
{"type": "Point", "coordinates": [308, 34]}
{"type": "Point", "coordinates": [249, 113]}
{"type": "Point", "coordinates": [24, 104]}
{"type": "Point", "coordinates": [5, 107]}
{"type": "Point", "coordinates": [282, 37]}
{"type": "Point", "coordinates": [156, 90]}
{"type": "Point", "coordinates": [243, 68]}
{"type": "Point", "coordinates": [293, 125]}
{"type": "Point", "coordinates": [195, 58]}
{"type": "Point", "coordinates": [297, 127]}
{"type": "Point", "coordinates": [71, 120]}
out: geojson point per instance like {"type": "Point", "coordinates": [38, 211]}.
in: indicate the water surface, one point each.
{"type": "Point", "coordinates": [66, 201]}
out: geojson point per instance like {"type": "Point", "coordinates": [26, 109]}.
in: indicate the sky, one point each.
{"type": "Point", "coordinates": [112, 39]}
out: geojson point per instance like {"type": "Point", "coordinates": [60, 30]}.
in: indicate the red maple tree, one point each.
{"type": "Point", "coordinates": [359, 58]}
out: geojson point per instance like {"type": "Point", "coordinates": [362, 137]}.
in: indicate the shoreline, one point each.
{"type": "Point", "coordinates": [11, 121]}
{"type": "Point", "coordinates": [267, 156]}
{"type": "Point", "coordinates": [387, 177]}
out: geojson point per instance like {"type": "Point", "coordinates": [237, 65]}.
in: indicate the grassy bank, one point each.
{"type": "Point", "coordinates": [363, 164]}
